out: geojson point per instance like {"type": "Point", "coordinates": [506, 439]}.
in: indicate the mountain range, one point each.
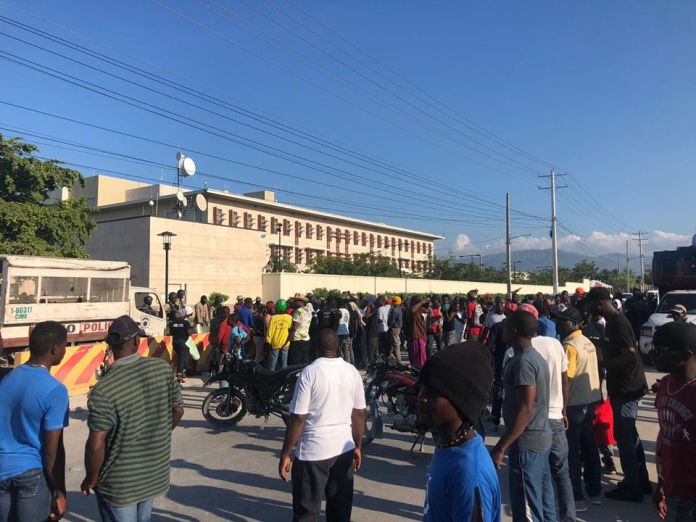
{"type": "Point", "coordinates": [533, 260]}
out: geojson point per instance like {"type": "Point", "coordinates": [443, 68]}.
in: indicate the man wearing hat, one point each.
{"type": "Point", "coordinates": [462, 483]}
{"type": "Point", "coordinates": [679, 313]}
{"type": "Point", "coordinates": [299, 332]}
{"type": "Point", "coordinates": [584, 394]}
{"type": "Point", "coordinates": [626, 385]}
{"type": "Point", "coordinates": [132, 411]}
{"type": "Point", "coordinates": [675, 495]}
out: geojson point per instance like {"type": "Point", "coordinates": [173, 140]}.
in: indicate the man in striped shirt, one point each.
{"type": "Point", "coordinates": [132, 411]}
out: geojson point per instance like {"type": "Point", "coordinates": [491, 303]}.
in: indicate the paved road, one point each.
{"type": "Point", "coordinates": [231, 474]}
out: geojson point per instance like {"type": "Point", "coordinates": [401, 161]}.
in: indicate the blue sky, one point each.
{"type": "Point", "coordinates": [604, 91]}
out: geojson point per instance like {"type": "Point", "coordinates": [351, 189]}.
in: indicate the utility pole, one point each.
{"type": "Point", "coordinates": [554, 221]}
{"type": "Point", "coordinates": [628, 270]}
{"type": "Point", "coordinates": [640, 240]}
{"type": "Point", "coordinates": [508, 243]}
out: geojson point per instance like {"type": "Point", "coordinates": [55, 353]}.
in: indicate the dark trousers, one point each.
{"type": "Point", "coordinates": [384, 344]}
{"type": "Point", "coordinates": [312, 480]}
{"type": "Point", "coordinates": [583, 451]}
{"type": "Point", "coordinates": [299, 352]}
{"type": "Point", "coordinates": [631, 451]}
{"type": "Point", "coordinates": [434, 344]}
{"type": "Point", "coordinates": [181, 351]}
{"type": "Point", "coordinates": [372, 348]}
{"type": "Point", "coordinates": [25, 497]}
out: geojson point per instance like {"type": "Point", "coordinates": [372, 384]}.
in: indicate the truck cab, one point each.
{"type": "Point", "coordinates": [687, 298]}
{"type": "Point", "coordinates": [84, 295]}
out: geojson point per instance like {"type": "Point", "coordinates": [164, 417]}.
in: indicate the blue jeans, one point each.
{"type": "Point", "coordinates": [558, 461]}
{"type": "Point", "coordinates": [140, 512]}
{"type": "Point", "coordinates": [631, 451]}
{"type": "Point", "coordinates": [277, 359]}
{"type": "Point", "coordinates": [583, 451]}
{"type": "Point", "coordinates": [25, 497]}
{"type": "Point", "coordinates": [531, 489]}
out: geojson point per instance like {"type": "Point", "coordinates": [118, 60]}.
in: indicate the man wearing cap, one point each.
{"type": "Point", "coordinates": [675, 495]}
{"type": "Point", "coordinates": [527, 432]}
{"type": "Point", "coordinates": [132, 411]}
{"type": "Point", "coordinates": [679, 313]}
{"type": "Point", "coordinates": [462, 484]}
{"type": "Point", "coordinates": [552, 352]}
{"type": "Point", "coordinates": [395, 321]}
{"type": "Point", "coordinates": [626, 384]}
{"type": "Point", "coordinates": [299, 332]}
{"type": "Point", "coordinates": [584, 394]}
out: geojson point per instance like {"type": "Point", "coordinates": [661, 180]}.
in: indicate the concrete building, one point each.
{"type": "Point", "coordinates": [225, 242]}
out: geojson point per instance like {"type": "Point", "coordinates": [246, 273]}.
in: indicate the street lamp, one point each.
{"type": "Point", "coordinates": [167, 245]}
{"type": "Point", "coordinates": [278, 229]}
{"type": "Point", "coordinates": [472, 256]}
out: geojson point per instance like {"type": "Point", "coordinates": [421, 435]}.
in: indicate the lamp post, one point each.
{"type": "Point", "coordinates": [279, 229]}
{"type": "Point", "coordinates": [167, 245]}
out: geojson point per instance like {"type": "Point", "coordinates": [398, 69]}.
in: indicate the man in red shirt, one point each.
{"type": "Point", "coordinates": [675, 352]}
{"type": "Point", "coordinates": [473, 316]}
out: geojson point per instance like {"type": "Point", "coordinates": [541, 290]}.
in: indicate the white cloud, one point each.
{"type": "Point", "coordinates": [462, 243]}
{"type": "Point", "coordinates": [598, 241]}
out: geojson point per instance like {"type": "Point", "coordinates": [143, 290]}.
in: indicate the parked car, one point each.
{"type": "Point", "coordinates": [687, 298]}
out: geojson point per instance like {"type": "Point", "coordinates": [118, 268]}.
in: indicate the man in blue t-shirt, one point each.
{"type": "Point", "coordinates": [33, 413]}
{"type": "Point", "coordinates": [462, 484]}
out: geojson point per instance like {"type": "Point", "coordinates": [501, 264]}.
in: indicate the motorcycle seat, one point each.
{"type": "Point", "coordinates": [266, 379]}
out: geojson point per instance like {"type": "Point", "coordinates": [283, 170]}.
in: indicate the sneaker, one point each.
{"type": "Point", "coordinates": [595, 501]}
{"type": "Point", "coordinates": [624, 494]}
{"type": "Point", "coordinates": [580, 506]}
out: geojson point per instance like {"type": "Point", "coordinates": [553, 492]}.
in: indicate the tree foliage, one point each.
{"type": "Point", "coordinates": [363, 265]}
{"type": "Point", "coordinates": [29, 224]}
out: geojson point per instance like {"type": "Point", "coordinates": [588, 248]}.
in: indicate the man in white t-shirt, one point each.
{"type": "Point", "coordinates": [326, 427]}
{"type": "Point", "coordinates": [551, 350]}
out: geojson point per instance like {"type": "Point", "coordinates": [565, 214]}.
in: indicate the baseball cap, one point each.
{"type": "Point", "coordinates": [569, 314]}
{"type": "Point", "coordinates": [529, 308]}
{"type": "Point", "coordinates": [123, 329]}
{"type": "Point", "coordinates": [680, 336]}
{"type": "Point", "coordinates": [679, 309]}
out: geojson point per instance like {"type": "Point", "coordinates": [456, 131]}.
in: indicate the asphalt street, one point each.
{"type": "Point", "coordinates": [231, 474]}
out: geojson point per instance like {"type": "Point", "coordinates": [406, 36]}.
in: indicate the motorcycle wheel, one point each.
{"type": "Point", "coordinates": [373, 423]}
{"type": "Point", "coordinates": [216, 411]}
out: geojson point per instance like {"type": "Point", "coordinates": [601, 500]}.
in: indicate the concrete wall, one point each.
{"type": "Point", "coordinates": [124, 240]}
{"type": "Point", "coordinates": [287, 284]}
{"type": "Point", "coordinates": [206, 258]}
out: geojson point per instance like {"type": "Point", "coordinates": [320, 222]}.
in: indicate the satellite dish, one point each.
{"type": "Point", "coordinates": [180, 156]}
{"type": "Point", "coordinates": [182, 199]}
{"type": "Point", "coordinates": [201, 202]}
{"type": "Point", "coordinates": [187, 167]}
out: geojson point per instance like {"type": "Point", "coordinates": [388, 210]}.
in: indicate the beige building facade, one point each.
{"type": "Point", "coordinates": [225, 242]}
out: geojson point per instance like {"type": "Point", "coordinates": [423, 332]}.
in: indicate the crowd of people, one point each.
{"type": "Point", "coordinates": [563, 373]}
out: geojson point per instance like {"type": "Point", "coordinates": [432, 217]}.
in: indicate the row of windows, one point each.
{"type": "Point", "coordinates": [318, 232]}
{"type": "Point", "coordinates": [300, 256]}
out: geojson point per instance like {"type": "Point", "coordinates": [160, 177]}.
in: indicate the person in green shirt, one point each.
{"type": "Point", "coordinates": [132, 411]}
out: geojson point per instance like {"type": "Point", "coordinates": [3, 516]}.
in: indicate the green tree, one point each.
{"type": "Point", "coordinates": [29, 223]}
{"type": "Point", "coordinates": [362, 265]}
{"type": "Point", "coordinates": [585, 270]}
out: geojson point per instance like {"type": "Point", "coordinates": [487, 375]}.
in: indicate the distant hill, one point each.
{"type": "Point", "coordinates": [530, 260]}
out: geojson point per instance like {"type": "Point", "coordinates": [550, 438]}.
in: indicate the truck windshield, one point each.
{"type": "Point", "coordinates": [669, 300]}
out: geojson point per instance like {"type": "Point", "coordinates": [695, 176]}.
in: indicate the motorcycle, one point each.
{"type": "Point", "coordinates": [394, 386]}
{"type": "Point", "coordinates": [250, 388]}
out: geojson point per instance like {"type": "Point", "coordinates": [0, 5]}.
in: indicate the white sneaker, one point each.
{"type": "Point", "coordinates": [580, 506]}
{"type": "Point", "coordinates": [595, 501]}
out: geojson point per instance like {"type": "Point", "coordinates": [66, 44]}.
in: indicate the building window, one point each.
{"type": "Point", "coordinates": [286, 227]}
{"type": "Point", "coordinates": [274, 225]}
{"type": "Point", "coordinates": [406, 246]}
{"type": "Point", "coordinates": [338, 235]}
{"type": "Point", "coordinates": [372, 241]}
{"type": "Point", "coordinates": [379, 241]}
{"type": "Point", "coordinates": [413, 249]}
{"type": "Point", "coordinates": [356, 238]}
{"type": "Point", "coordinates": [386, 242]}
{"type": "Point", "coordinates": [364, 239]}
{"type": "Point", "coordinates": [248, 220]}
{"type": "Point", "coordinates": [234, 218]}
{"type": "Point", "coordinates": [328, 237]}
{"type": "Point", "coordinates": [262, 223]}
{"type": "Point", "coordinates": [298, 256]}
{"type": "Point", "coordinates": [430, 249]}
{"type": "Point", "coordinates": [218, 216]}
{"type": "Point", "coordinates": [308, 230]}
{"type": "Point", "coordinates": [320, 232]}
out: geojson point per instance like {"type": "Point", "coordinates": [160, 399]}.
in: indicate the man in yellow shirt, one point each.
{"type": "Point", "coordinates": [278, 336]}
{"type": "Point", "coordinates": [583, 396]}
